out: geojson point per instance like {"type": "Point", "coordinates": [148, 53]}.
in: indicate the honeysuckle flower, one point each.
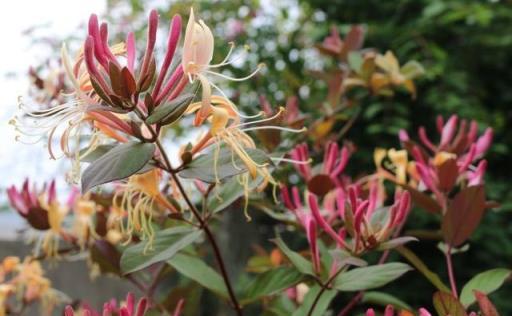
{"type": "Point", "coordinates": [380, 73]}
{"type": "Point", "coordinates": [455, 159]}
{"type": "Point", "coordinates": [328, 176]}
{"type": "Point", "coordinates": [116, 83]}
{"type": "Point", "coordinates": [294, 203]}
{"type": "Point", "coordinates": [69, 120]}
{"type": "Point", "coordinates": [390, 311]}
{"type": "Point", "coordinates": [27, 281]}
{"type": "Point", "coordinates": [366, 224]}
{"type": "Point", "coordinates": [196, 63]}
{"type": "Point", "coordinates": [127, 308]}
{"type": "Point", "coordinates": [84, 211]}
{"type": "Point", "coordinates": [139, 198]}
{"type": "Point", "coordinates": [56, 213]}
{"type": "Point", "coordinates": [27, 203]}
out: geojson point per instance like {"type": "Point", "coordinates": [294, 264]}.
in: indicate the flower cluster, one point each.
{"type": "Point", "coordinates": [79, 221]}
{"type": "Point", "coordinates": [390, 311]}
{"type": "Point", "coordinates": [128, 308]}
{"type": "Point", "coordinates": [455, 161]}
{"type": "Point", "coordinates": [25, 280]}
{"type": "Point", "coordinates": [354, 220]}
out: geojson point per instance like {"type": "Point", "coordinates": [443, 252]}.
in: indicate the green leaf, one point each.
{"type": "Point", "coordinates": [355, 61]}
{"type": "Point", "coordinates": [228, 193]}
{"type": "Point", "coordinates": [370, 277]}
{"type": "Point", "coordinates": [118, 163]}
{"type": "Point", "coordinates": [321, 306]}
{"type": "Point", "coordinates": [463, 215]}
{"type": "Point", "coordinates": [420, 266]}
{"type": "Point", "coordinates": [166, 244]}
{"type": "Point", "coordinates": [272, 282]}
{"type": "Point", "coordinates": [384, 299]}
{"type": "Point", "coordinates": [447, 305]}
{"type": "Point", "coordinates": [485, 282]}
{"type": "Point", "coordinates": [198, 271]}
{"type": "Point", "coordinates": [221, 164]}
{"type": "Point", "coordinates": [171, 111]}
{"type": "Point", "coordinates": [303, 265]}
{"type": "Point", "coordinates": [412, 69]}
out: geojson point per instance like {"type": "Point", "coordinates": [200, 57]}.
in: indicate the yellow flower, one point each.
{"type": "Point", "coordinates": [398, 163]}
{"type": "Point", "coordinates": [196, 62]}
{"type": "Point", "coordinates": [137, 198]}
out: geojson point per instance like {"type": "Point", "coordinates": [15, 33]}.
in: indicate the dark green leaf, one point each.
{"type": "Point", "coordinates": [118, 163]}
{"type": "Point", "coordinates": [169, 112]}
{"type": "Point", "coordinates": [272, 282]}
{"type": "Point", "coordinates": [371, 277]}
{"type": "Point", "coordinates": [166, 244]}
{"type": "Point", "coordinates": [219, 165]}
{"type": "Point", "coordinates": [195, 269]}
{"type": "Point", "coordinates": [295, 258]}
{"type": "Point", "coordinates": [485, 282]}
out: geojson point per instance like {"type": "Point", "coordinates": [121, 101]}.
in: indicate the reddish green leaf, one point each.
{"type": "Point", "coordinates": [463, 215]}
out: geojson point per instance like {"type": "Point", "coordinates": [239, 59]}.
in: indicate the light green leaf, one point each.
{"type": "Point", "coordinates": [118, 163]}
{"type": "Point", "coordinates": [370, 277]}
{"type": "Point", "coordinates": [198, 271]}
{"type": "Point", "coordinates": [384, 299]}
{"type": "Point", "coordinates": [166, 244]}
{"type": "Point", "coordinates": [272, 282]}
{"type": "Point", "coordinates": [295, 258]}
{"type": "Point", "coordinates": [412, 69]}
{"type": "Point", "coordinates": [321, 306]}
{"type": "Point", "coordinates": [486, 282]}
{"type": "Point", "coordinates": [355, 61]}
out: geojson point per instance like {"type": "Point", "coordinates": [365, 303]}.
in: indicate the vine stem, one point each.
{"type": "Point", "coordinates": [451, 275]}
{"type": "Point", "coordinates": [325, 286]}
{"type": "Point", "coordinates": [202, 223]}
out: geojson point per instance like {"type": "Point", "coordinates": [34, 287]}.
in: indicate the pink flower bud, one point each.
{"type": "Point", "coordinates": [448, 131]}
{"type": "Point", "coordinates": [389, 311]}
{"type": "Point", "coordinates": [94, 32]}
{"type": "Point", "coordinates": [484, 142]}
{"type": "Point", "coordinates": [172, 43]}
{"type": "Point", "coordinates": [130, 51]}
{"type": "Point", "coordinates": [403, 135]}
{"type": "Point", "coordinates": [424, 139]}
